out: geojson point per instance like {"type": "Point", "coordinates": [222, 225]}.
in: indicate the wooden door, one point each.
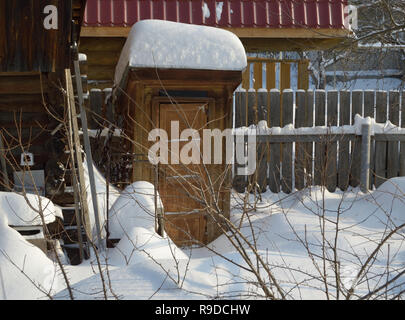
{"type": "Point", "coordinates": [181, 186]}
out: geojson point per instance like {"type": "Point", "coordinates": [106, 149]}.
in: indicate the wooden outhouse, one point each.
{"type": "Point", "coordinates": [174, 77]}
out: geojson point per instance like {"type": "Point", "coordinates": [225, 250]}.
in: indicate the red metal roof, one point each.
{"type": "Point", "coordinates": [312, 14]}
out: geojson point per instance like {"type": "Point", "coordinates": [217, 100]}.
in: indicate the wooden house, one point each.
{"type": "Point", "coordinates": [35, 51]}
{"type": "Point", "coordinates": [35, 41]}
{"type": "Point", "coordinates": [183, 75]}
{"type": "Point", "coordinates": [144, 91]}
{"type": "Point", "coordinates": [261, 25]}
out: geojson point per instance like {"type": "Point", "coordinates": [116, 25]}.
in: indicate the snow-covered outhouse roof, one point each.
{"type": "Point", "coordinates": [172, 45]}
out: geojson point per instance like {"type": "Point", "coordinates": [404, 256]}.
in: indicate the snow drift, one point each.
{"type": "Point", "coordinates": [134, 208]}
{"type": "Point", "coordinates": [26, 272]}
{"type": "Point", "coordinates": [24, 210]}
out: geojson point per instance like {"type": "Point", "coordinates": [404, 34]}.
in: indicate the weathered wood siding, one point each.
{"type": "Point", "coordinates": [25, 44]}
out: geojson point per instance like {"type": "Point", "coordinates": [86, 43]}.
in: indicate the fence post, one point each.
{"type": "Point", "coordinates": [365, 157]}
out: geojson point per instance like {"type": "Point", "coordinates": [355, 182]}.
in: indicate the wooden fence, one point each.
{"type": "Point", "coordinates": [275, 74]}
{"type": "Point", "coordinates": [285, 162]}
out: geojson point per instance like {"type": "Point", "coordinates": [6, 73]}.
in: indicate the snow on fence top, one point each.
{"type": "Point", "coordinates": [166, 44]}
{"type": "Point", "coordinates": [376, 128]}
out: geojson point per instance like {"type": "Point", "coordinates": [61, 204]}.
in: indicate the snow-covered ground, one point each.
{"type": "Point", "coordinates": [142, 266]}
{"type": "Point", "coordinates": [294, 235]}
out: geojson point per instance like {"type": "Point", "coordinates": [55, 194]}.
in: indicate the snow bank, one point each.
{"type": "Point", "coordinates": [143, 260]}
{"type": "Point", "coordinates": [390, 198]}
{"type": "Point", "coordinates": [101, 191]}
{"type": "Point", "coordinates": [141, 244]}
{"type": "Point", "coordinates": [132, 219]}
{"type": "Point", "coordinates": [17, 255]}
{"type": "Point", "coordinates": [21, 211]}
{"type": "Point", "coordinates": [134, 208]}
{"type": "Point", "coordinates": [165, 44]}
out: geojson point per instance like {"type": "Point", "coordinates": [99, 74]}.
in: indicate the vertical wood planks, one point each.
{"type": "Point", "coordinates": [402, 144]}
{"type": "Point", "coordinates": [285, 76]}
{"type": "Point", "coordinates": [332, 164]}
{"type": "Point", "coordinates": [288, 118]}
{"type": "Point", "coordinates": [251, 119]}
{"type": "Point", "coordinates": [262, 148]}
{"type": "Point", "coordinates": [393, 147]}
{"type": "Point", "coordinates": [369, 103]}
{"type": "Point", "coordinates": [303, 75]}
{"type": "Point", "coordinates": [257, 75]}
{"type": "Point", "coordinates": [344, 145]}
{"type": "Point", "coordinates": [299, 165]}
{"type": "Point", "coordinates": [309, 146]}
{"type": "Point", "coordinates": [369, 110]}
{"type": "Point", "coordinates": [320, 111]}
{"type": "Point", "coordinates": [357, 107]}
{"type": "Point", "coordinates": [274, 164]}
{"type": "Point", "coordinates": [246, 77]}
{"type": "Point", "coordinates": [380, 147]}
{"type": "Point", "coordinates": [239, 182]}
{"type": "Point", "coordinates": [331, 147]}
{"type": "Point", "coordinates": [240, 108]}
{"type": "Point", "coordinates": [251, 107]}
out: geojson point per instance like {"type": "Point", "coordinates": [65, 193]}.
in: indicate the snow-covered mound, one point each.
{"type": "Point", "coordinates": [141, 244]}
{"type": "Point", "coordinates": [134, 208]}
{"type": "Point", "coordinates": [390, 198]}
{"type": "Point", "coordinates": [23, 267]}
{"type": "Point", "coordinates": [22, 210]}
{"type": "Point", "coordinates": [287, 231]}
{"type": "Point", "coordinates": [165, 44]}
{"type": "Point", "coordinates": [132, 219]}
{"type": "Point", "coordinates": [101, 191]}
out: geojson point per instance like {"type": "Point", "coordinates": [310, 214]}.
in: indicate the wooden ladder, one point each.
{"type": "Point", "coordinates": [79, 222]}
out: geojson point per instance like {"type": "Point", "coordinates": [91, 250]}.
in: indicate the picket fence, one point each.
{"type": "Point", "coordinates": [288, 162]}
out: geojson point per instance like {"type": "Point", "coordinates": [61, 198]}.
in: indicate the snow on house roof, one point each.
{"type": "Point", "coordinates": [171, 45]}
